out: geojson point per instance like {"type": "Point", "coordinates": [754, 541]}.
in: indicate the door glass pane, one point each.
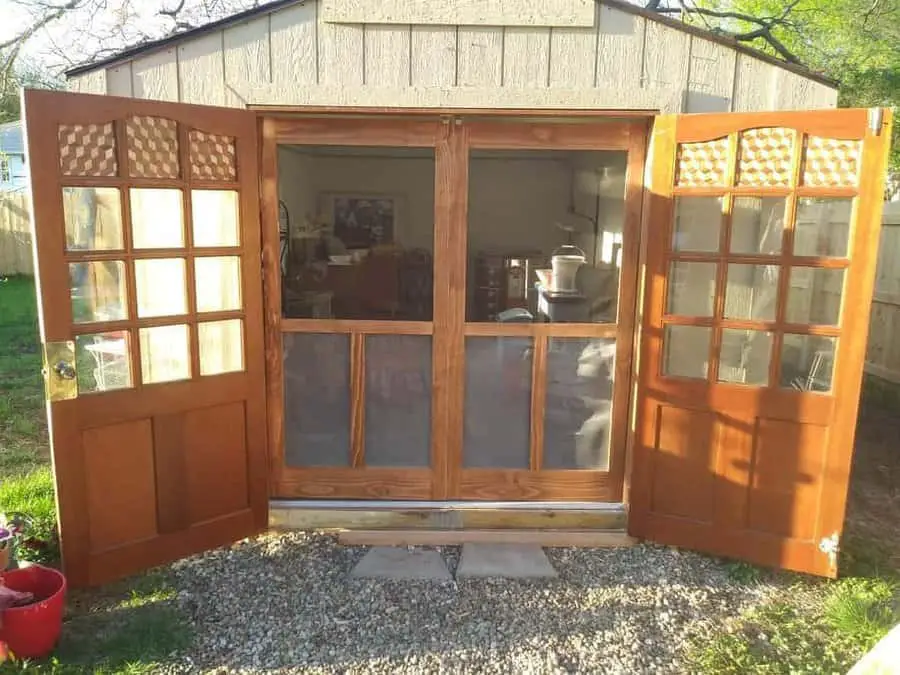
{"type": "Point", "coordinates": [807, 362]}
{"type": "Point", "coordinates": [698, 221]}
{"type": "Point", "coordinates": [814, 296]}
{"type": "Point", "coordinates": [316, 399]}
{"type": "Point", "coordinates": [757, 225]}
{"type": "Point", "coordinates": [751, 292]}
{"type": "Point", "coordinates": [578, 410]}
{"type": "Point", "coordinates": [498, 403]}
{"type": "Point", "coordinates": [214, 214]}
{"type": "Point", "coordinates": [823, 226]}
{"type": "Point", "coordinates": [221, 346]}
{"type": "Point", "coordinates": [157, 218]}
{"type": "Point", "coordinates": [398, 400]}
{"type": "Point", "coordinates": [691, 288]}
{"type": "Point", "coordinates": [744, 356]}
{"type": "Point", "coordinates": [161, 287]}
{"type": "Point", "coordinates": [686, 351]}
{"type": "Point", "coordinates": [357, 228]}
{"type": "Point", "coordinates": [218, 282]}
{"type": "Point", "coordinates": [98, 291]}
{"type": "Point", "coordinates": [93, 218]}
{"type": "Point", "coordinates": [545, 235]}
{"type": "Point", "coordinates": [165, 355]}
{"type": "Point", "coordinates": [102, 362]}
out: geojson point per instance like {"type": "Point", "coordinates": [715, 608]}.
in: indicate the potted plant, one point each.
{"type": "Point", "coordinates": [13, 527]}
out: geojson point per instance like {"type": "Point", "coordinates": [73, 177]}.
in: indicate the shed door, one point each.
{"type": "Point", "coordinates": [146, 224]}
{"type": "Point", "coordinates": [754, 330]}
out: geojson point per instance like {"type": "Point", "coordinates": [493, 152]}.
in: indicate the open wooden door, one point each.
{"type": "Point", "coordinates": [762, 235]}
{"type": "Point", "coordinates": [147, 242]}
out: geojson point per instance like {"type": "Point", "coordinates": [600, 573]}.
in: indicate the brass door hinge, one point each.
{"type": "Point", "coordinates": [60, 376]}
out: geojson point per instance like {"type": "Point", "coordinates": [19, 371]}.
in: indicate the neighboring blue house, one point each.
{"type": "Point", "coordinates": [13, 169]}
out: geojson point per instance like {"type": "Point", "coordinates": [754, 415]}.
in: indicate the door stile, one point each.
{"type": "Point", "coordinates": [451, 208]}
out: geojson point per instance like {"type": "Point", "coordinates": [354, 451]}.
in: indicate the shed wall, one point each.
{"type": "Point", "coordinates": [293, 56]}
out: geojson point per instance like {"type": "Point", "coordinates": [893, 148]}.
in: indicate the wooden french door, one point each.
{"type": "Point", "coordinates": [762, 232]}
{"type": "Point", "coordinates": [353, 355]}
{"type": "Point", "coordinates": [146, 226]}
{"type": "Point", "coordinates": [475, 374]}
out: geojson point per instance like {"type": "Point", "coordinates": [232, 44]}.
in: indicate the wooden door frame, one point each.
{"type": "Point", "coordinates": [451, 133]}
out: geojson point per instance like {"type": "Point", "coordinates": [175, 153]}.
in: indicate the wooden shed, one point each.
{"type": "Point", "coordinates": [474, 269]}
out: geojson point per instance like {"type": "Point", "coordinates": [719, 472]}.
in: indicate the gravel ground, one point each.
{"type": "Point", "coordinates": [285, 603]}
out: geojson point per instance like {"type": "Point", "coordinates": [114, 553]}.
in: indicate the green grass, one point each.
{"type": "Point", "coordinates": [129, 627]}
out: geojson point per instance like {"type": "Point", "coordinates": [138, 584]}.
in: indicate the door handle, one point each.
{"type": "Point", "coordinates": [60, 374]}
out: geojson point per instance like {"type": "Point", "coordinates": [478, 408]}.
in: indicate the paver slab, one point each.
{"type": "Point", "coordinates": [513, 561]}
{"type": "Point", "coordinates": [394, 562]}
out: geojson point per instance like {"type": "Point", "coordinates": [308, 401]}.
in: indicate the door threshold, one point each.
{"type": "Point", "coordinates": [549, 538]}
{"type": "Point", "coordinates": [407, 515]}
{"type": "Point", "coordinates": [392, 505]}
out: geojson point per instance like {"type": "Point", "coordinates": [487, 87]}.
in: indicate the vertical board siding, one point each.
{"type": "Point", "coordinates": [119, 80]}
{"type": "Point", "coordinates": [754, 85]}
{"type": "Point", "coordinates": [155, 76]}
{"type": "Point", "coordinates": [294, 56]}
{"type": "Point", "coordinates": [201, 68]}
{"type": "Point", "coordinates": [526, 57]}
{"type": "Point", "coordinates": [480, 57]}
{"type": "Point", "coordinates": [294, 45]}
{"type": "Point", "coordinates": [620, 45]}
{"type": "Point", "coordinates": [387, 56]}
{"type": "Point", "coordinates": [434, 56]}
{"type": "Point", "coordinates": [666, 54]}
{"type": "Point", "coordinates": [247, 59]}
{"type": "Point", "coordinates": [93, 82]}
{"type": "Point", "coordinates": [710, 77]}
{"type": "Point", "coordinates": [572, 57]}
{"type": "Point", "coordinates": [341, 54]}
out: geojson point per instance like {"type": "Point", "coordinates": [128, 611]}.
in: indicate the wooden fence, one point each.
{"type": "Point", "coordinates": [883, 353]}
{"type": "Point", "coordinates": [15, 234]}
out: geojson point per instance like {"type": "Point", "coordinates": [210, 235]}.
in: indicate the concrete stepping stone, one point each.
{"type": "Point", "coordinates": [394, 562]}
{"type": "Point", "coordinates": [510, 561]}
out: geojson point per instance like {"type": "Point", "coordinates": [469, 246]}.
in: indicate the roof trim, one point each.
{"type": "Point", "coordinates": [136, 50]}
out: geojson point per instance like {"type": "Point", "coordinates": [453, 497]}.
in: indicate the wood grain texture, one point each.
{"type": "Point", "coordinates": [463, 12]}
{"type": "Point", "coordinates": [434, 56]}
{"type": "Point", "coordinates": [480, 57]}
{"type": "Point", "coordinates": [620, 48]}
{"type": "Point", "coordinates": [754, 87]}
{"type": "Point", "coordinates": [526, 57]}
{"type": "Point", "coordinates": [341, 54]}
{"type": "Point", "coordinates": [524, 485]}
{"type": "Point", "coordinates": [357, 400]}
{"type": "Point", "coordinates": [362, 327]}
{"type": "Point", "coordinates": [543, 329]}
{"type": "Point", "coordinates": [92, 82]}
{"type": "Point", "coordinates": [201, 70]}
{"type": "Point", "coordinates": [119, 80]}
{"type": "Point", "coordinates": [552, 538]}
{"type": "Point", "coordinates": [156, 76]}
{"type": "Point", "coordinates": [666, 57]}
{"type": "Point", "coordinates": [375, 132]}
{"type": "Point", "coordinates": [271, 256]}
{"type": "Point", "coordinates": [537, 136]}
{"type": "Point", "coordinates": [538, 403]}
{"type": "Point", "coordinates": [294, 41]}
{"type": "Point", "coordinates": [573, 57]}
{"type": "Point", "coordinates": [349, 483]}
{"type": "Point", "coordinates": [247, 58]}
{"type": "Point", "coordinates": [387, 56]}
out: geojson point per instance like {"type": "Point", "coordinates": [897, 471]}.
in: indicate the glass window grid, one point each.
{"type": "Point", "coordinates": [785, 260]}
{"type": "Point", "coordinates": [128, 254]}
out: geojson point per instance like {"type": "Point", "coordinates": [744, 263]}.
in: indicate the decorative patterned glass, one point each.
{"type": "Point", "coordinates": [764, 157]}
{"type": "Point", "coordinates": [152, 147]}
{"type": "Point", "coordinates": [87, 150]}
{"type": "Point", "coordinates": [702, 164]}
{"type": "Point", "coordinates": [831, 162]}
{"type": "Point", "coordinates": [213, 157]}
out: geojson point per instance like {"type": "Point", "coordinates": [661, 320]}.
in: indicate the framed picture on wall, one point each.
{"type": "Point", "coordinates": [362, 220]}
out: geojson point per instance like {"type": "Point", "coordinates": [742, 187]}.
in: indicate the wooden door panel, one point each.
{"type": "Point", "coordinates": [163, 452]}
{"type": "Point", "coordinates": [744, 438]}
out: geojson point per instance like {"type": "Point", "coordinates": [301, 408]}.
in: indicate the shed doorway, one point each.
{"type": "Point", "coordinates": [424, 354]}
